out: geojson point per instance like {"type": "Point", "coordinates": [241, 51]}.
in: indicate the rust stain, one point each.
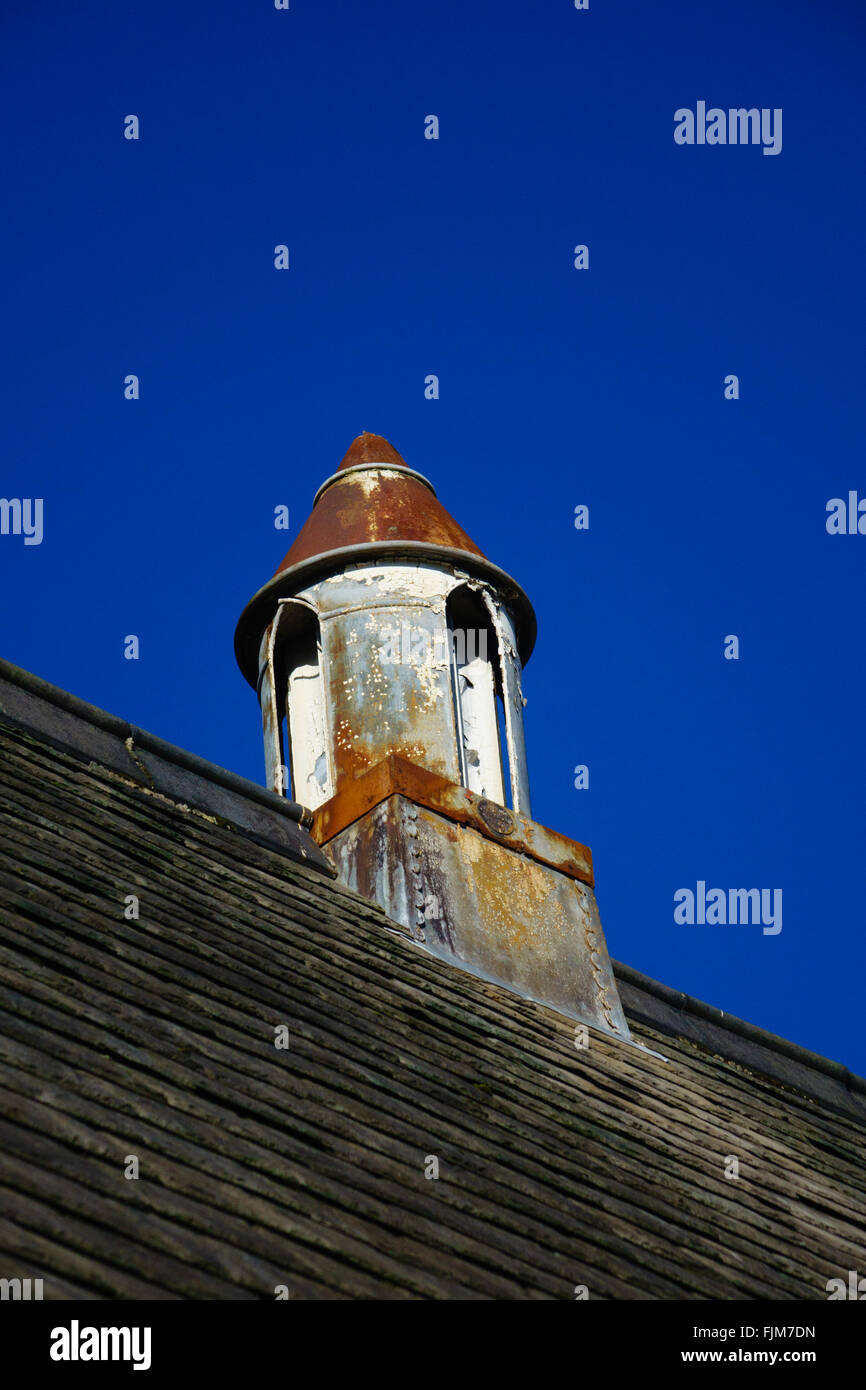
{"type": "Point", "coordinates": [396, 775]}
{"type": "Point", "coordinates": [470, 898]}
{"type": "Point", "coordinates": [371, 448]}
{"type": "Point", "coordinates": [380, 505]}
{"type": "Point", "coordinates": [375, 505]}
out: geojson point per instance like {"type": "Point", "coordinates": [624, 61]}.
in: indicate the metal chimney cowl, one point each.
{"type": "Point", "coordinates": [388, 653]}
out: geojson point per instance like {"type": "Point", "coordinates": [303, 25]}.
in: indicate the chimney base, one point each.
{"type": "Point", "coordinates": [475, 883]}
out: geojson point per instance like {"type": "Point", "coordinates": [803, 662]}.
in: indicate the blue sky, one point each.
{"type": "Point", "coordinates": [558, 387]}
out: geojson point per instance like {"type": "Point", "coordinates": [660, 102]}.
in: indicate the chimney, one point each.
{"type": "Point", "coordinates": [388, 652]}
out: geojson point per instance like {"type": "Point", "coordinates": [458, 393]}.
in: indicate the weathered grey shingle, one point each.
{"type": "Point", "coordinates": [305, 1166]}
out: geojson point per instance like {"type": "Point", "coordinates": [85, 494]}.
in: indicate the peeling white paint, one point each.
{"type": "Point", "coordinates": [481, 763]}
{"type": "Point", "coordinates": [385, 681]}
{"type": "Point", "coordinates": [306, 710]}
{"type": "Point", "coordinates": [512, 701]}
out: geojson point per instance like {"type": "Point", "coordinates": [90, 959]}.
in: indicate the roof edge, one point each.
{"type": "Point", "coordinates": [160, 766]}
{"type": "Point", "coordinates": [111, 742]}
{"type": "Point", "coordinates": [671, 1011]}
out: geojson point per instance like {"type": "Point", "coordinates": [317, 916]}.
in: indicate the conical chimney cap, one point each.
{"type": "Point", "coordinates": [371, 448]}
{"type": "Point", "coordinates": [375, 498]}
{"type": "Point", "coordinates": [374, 506]}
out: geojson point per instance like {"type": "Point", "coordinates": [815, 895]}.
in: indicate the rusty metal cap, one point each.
{"type": "Point", "coordinates": [374, 496]}
{"type": "Point", "coordinates": [374, 506]}
{"type": "Point", "coordinates": [371, 448]}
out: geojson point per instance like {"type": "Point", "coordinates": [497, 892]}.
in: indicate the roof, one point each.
{"type": "Point", "coordinates": [305, 1166]}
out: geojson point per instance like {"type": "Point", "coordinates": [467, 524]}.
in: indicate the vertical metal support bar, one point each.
{"type": "Point", "coordinates": [271, 717]}
{"type": "Point", "coordinates": [512, 701]}
{"type": "Point", "coordinates": [458, 710]}
{"type": "Point", "coordinates": [304, 673]}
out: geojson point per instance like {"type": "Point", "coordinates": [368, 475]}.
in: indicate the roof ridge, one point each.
{"type": "Point", "coordinates": [151, 762]}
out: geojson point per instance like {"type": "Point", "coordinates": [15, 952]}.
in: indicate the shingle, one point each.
{"type": "Point", "coordinates": [305, 1166]}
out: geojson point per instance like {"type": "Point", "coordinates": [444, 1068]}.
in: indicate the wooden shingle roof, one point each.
{"type": "Point", "coordinates": [305, 1166]}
